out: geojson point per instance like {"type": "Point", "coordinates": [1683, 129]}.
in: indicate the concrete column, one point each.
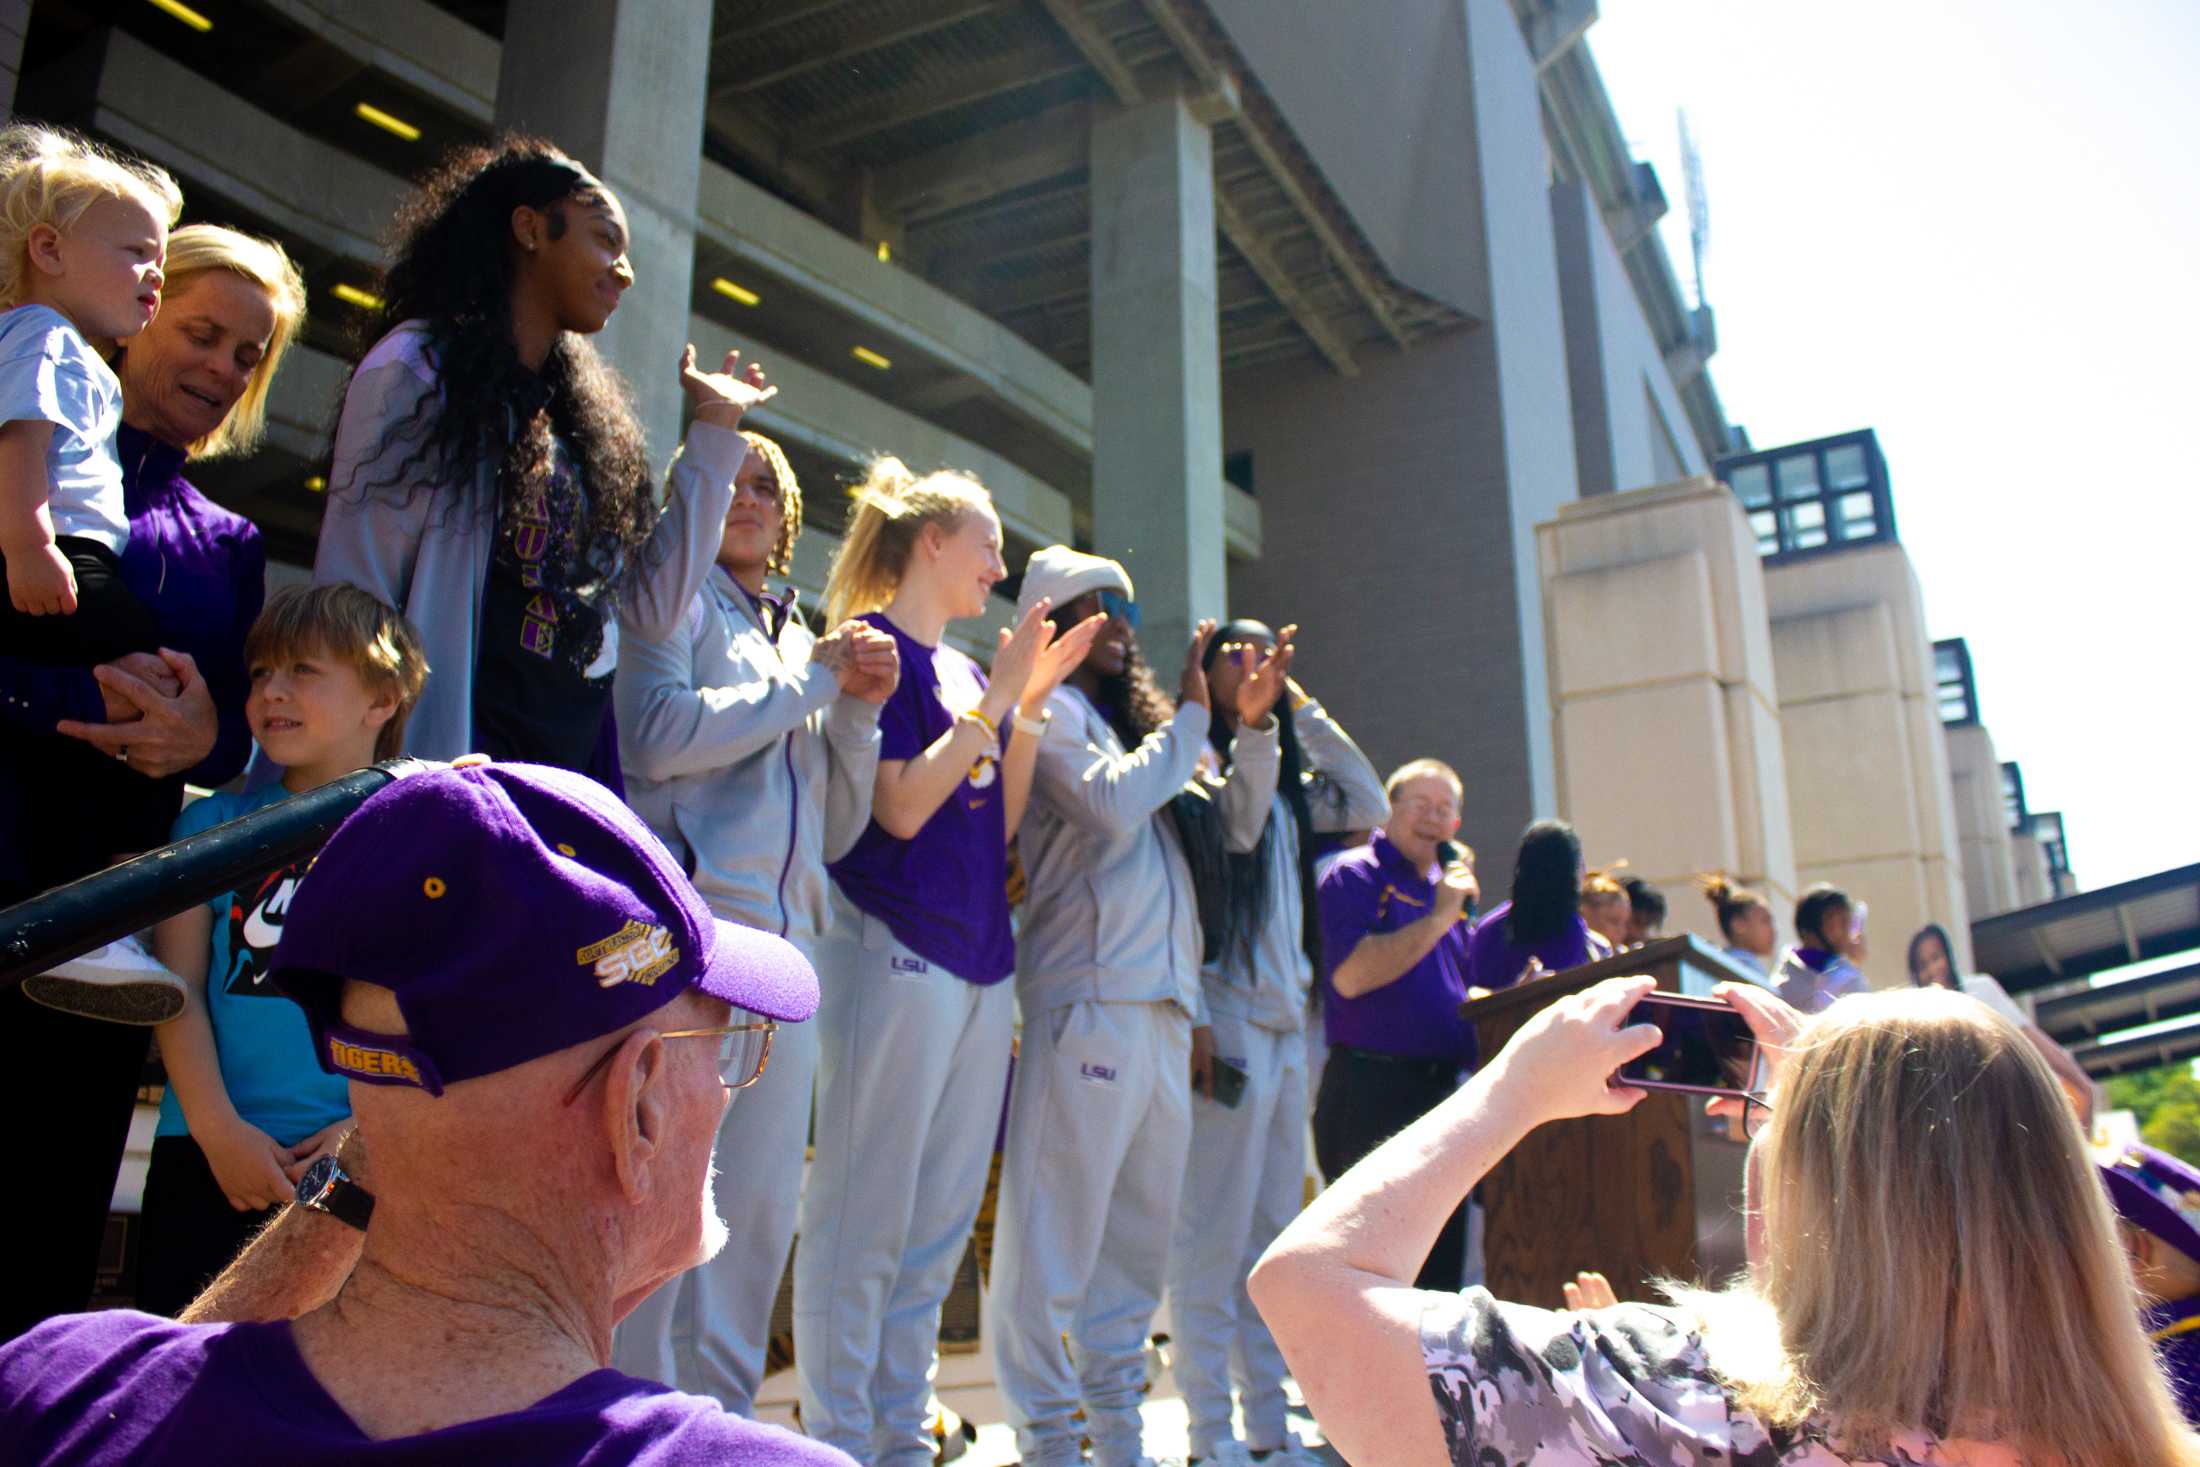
{"type": "Point", "coordinates": [621, 85]}
{"type": "Point", "coordinates": [1663, 710]}
{"type": "Point", "coordinates": [1156, 368]}
{"type": "Point", "coordinates": [15, 22]}
{"type": "Point", "coordinates": [1874, 806]}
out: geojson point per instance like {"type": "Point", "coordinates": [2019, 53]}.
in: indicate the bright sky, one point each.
{"type": "Point", "coordinates": [1974, 225]}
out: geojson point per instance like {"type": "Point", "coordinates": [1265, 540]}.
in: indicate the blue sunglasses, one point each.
{"type": "Point", "coordinates": [1114, 604]}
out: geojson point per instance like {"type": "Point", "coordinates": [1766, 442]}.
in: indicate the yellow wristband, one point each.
{"type": "Point", "coordinates": [992, 729]}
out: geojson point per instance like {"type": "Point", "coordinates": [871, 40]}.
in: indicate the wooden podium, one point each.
{"type": "Point", "coordinates": [1656, 1193]}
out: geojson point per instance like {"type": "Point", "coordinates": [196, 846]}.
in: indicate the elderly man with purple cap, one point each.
{"type": "Point", "coordinates": [2157, 1198]}
{"type": "Point", "coordinates": [542, 1023]}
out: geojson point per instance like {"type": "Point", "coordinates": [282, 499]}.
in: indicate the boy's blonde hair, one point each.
{"type": "Point", "coordinates": [892, 506]}
{"type": "Point", "coordinates": [348, 625]}
{"type": "Point", "coordinates": [197, 249]}
{"type": "Point", "coordinates": [1938, 1251]}
{"type": "Point", "coordinates": [51, 176]}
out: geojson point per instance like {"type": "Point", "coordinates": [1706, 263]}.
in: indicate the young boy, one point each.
{"type": "Point", "coordinates": [334, 674]}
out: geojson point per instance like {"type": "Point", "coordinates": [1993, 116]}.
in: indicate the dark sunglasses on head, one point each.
{"type": "Point", "coordinates": [1117, 606]}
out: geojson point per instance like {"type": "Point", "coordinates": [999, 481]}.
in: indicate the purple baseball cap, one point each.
{"type": "Point", "coordinates": [2145, 1186]}
{"type": "Point", "coordinates": [515, 910]}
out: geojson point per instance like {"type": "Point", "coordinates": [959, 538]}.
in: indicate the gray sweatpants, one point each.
{"type": "Point", "coordinates": [1098, 1124]}
{"type": "Point", "coordinates": [706, 1331]}
{"type": "Point", "coordinates": [1244, 1182]}
{"type": "Point", "coordinates": [909, 1087]}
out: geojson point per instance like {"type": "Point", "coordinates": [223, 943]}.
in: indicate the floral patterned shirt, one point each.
{"type": "Point", "coordinates": [1628, 1386]}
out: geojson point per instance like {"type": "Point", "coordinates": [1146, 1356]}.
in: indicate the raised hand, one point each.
{"type": "Point", "coordinates": [1264, 682]}
{"type": "Point", "coordinates": [1561, 1062]}
{"type": "Point", "coordinates": [1588, 1290]}
{"type": "Point", "coordinates": [1015, 658]}
{"type": "Point", "coordinates": [1192, 686]}
{"type": "Point", "coordinates": [1060, 658]}
{"type": "Point", "coordinates": [721, 397]}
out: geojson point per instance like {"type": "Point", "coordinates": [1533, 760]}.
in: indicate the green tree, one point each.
{"type": "Point", "coordinates": [2166, 1103]}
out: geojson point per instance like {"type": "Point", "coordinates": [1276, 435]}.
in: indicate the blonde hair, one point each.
{"type": "Point", "coordinates": [51, 176]}
{"type": "Point", "coordinates": [1602, 883]}
{"type": "Point", "coordinates": [1939, 1253]}
{"type": "Point", "coordinates": [352, 626]}
{"type": "Point", "coordinates": [1414, 769]}
{"type": "Point", "coordinates": [781, 559]}
{"type": "Point", "coordinates": [197, 249]}
{"type": "Point", "coordinates": [892, 506]}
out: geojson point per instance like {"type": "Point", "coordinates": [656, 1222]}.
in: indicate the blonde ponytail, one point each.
{"type": "Point", "coordinates": [891, 508]}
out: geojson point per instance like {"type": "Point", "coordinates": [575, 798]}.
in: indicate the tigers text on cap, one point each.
{"type": "Point", "coordinates": [515, 910]}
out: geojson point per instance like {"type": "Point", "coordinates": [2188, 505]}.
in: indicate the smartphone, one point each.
{"type": "Point", "coordinates": [1708, 1048]}
{"type": "Point", "coordinates": [1228, 1084]}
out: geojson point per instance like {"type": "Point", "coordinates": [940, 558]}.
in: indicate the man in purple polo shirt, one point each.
{"type": "Point", "coordinates": [1395, 925]}
{"type": "Point", "coordinates": [542, 1024]}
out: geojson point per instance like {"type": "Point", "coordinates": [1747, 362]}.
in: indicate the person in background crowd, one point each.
{"type": "Point", "coordinates": [1932, 965]}
{"type": "Point", "coordinates": [489, 479]}
{"type": "Point", "coordinates": [749, 745]}
{"type": "Point", "coordinates": [1745, 922]}
{"type": "Point", "coordinates": [917, 1020]}
{"type": "Point", "coordinates": [1541, 922]}
{"type": "Point", "coordinates": [334, 675]}
{"type": "Point", "coordinates": [1917, 1166]}
{"type": "Point", "coordinates": [1645, 911]}
{"type": "Point", "coordinates": [1116, 853]}
{"type": "Point", "coordinates": [2157, 1202]}
{"type": "Point", "coordinates": [539, 1127]}
{"type": "Point", "coordinates": [1606, 910]}
{"type": "Point", "coordinates": [1814, 972]}
{"type": "Point", "coordinates": [194, 387]}
{"type": "Point", "coordinates": [1245, 1175]}
{"type": "Point", "coordinates": [1395, 921]}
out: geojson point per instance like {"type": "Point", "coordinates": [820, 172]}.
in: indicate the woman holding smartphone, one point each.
{"type": "Point", "coordinates": [914, 1026]}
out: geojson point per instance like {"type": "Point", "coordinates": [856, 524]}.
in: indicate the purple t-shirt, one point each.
{"type": "Point", "coordinates": [944, 893]}
{"type": "Point", "coordinates": [90, 1390]}
{"type": "Point", "coordinates": [1376, 889]}
{"type": "Point", "coordinates": [1494, 960]}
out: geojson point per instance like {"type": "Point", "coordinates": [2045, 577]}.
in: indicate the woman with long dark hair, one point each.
{"type": "Point", "coordinates": [1932, 964]}
{"type": "Point", "coordinates": [490, 479]}
{"type": "Point", "coordinates": [1541, 921]}
{"type": "Point", "coordinates": [1246, 1174]}
{"type": "Point", "coordinates": [1116, 850]}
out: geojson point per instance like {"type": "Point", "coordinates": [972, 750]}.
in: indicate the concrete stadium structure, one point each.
{"type": "Point", "coordinates": [1306, 311]}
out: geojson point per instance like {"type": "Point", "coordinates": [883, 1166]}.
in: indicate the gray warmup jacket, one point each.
{"type": "Point", "coordinates": [425, 555]}
{"type": "Point", "coordinates": [1265, 982]}
{"type": "Point", "coordinates": [746, 759]}
{"type": "Point", "coordinates": [1109, 912]}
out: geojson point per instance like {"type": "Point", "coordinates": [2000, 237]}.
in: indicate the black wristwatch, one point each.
{"type": "Point", "coordinates": [327, 1187]}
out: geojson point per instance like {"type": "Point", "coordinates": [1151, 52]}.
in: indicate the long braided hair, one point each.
{"type": "Point", "coordinates": [452, 267]}
{"type": "Point", "coordinates": [1134, 706]}
{"type": "Point", "coordinates": [1246, 882]}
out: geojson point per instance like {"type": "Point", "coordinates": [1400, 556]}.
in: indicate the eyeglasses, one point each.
{"type": "Point", "coordinates": [743, 1051]}
{"type": "Point", "coordinates": [1119, 607]}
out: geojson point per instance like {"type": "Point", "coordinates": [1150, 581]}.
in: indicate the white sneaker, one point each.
{"type": "Point", "coordinates": [121, 983]}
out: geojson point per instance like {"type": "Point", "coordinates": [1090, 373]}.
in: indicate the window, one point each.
{"type": "Point", "coordinates": [1753, 483]}
{"type": "Point", "coordinates": [1828, 494]}
{"type": "Point", "coordinates": [1958, 691]}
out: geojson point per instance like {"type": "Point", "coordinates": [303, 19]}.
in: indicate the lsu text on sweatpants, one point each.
{"type": "Point", "coordinates": [913, 1064]}
{"type": "Point", "coordinates": [1098, 1125]}
{"type": "Point", "coordinates": [1243, 1183]}
{"type": "Point", "coordinates": [707, 1331]}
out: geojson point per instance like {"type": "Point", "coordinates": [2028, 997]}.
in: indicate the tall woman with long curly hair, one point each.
{"type": "Point", "coordinates": [490, 479]}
